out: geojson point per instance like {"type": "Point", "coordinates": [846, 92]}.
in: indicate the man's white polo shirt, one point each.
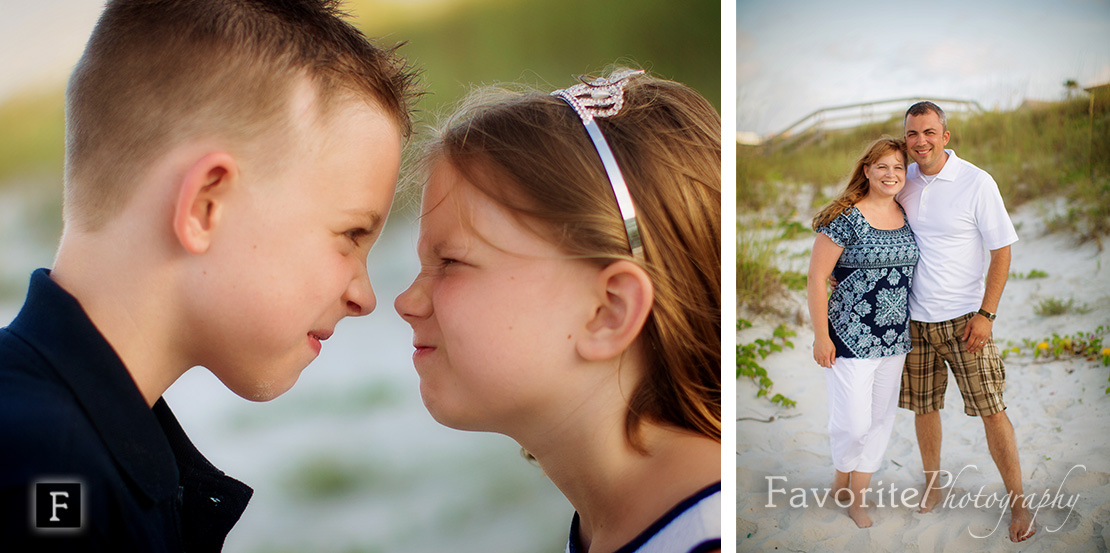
{"type": "Point", "coordinates": [956, 216]}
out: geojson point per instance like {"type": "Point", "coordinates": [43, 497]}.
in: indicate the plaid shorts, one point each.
{"type": "Point", "coordinates": [981, 377]}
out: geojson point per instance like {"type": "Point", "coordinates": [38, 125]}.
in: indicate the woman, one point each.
{"type": "Point", "coordinates": [861, 331]}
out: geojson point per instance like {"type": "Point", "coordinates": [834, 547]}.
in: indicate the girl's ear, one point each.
{"type": "Point", "coordinates": [624, 296]}
{"type": "Point", "coordinates": [200, 199]}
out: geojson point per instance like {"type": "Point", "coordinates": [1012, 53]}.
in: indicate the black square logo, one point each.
{"type": "Point", "coordinates": [58, 505]}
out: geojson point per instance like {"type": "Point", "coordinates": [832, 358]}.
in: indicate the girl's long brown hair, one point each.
{"type": "Point", "coordinates": [529, 152]}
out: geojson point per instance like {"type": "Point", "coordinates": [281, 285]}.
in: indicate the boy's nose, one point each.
{"type": "Point", "coordinates": [360, 296]}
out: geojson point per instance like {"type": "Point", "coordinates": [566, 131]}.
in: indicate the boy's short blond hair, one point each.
{"type": "Point", "coordinates": [155, 74]}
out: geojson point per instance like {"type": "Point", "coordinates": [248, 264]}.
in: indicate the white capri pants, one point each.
{"type": "Point", "coordinates": [863, 396]}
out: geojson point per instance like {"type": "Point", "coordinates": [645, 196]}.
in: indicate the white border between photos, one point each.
{"type": "Point", "coordinates": [728, 274]}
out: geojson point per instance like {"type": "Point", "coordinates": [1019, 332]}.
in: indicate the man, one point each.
{"type": "Point", "coordinates": [955, 211]}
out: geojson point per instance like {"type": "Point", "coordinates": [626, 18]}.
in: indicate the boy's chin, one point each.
{"type": "Point", "coordinates": [259, 390]}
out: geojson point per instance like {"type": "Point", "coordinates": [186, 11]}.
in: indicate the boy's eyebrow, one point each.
{"type": "Point", "coordinates": [372, 217]}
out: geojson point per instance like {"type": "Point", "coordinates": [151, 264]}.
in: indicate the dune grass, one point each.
{"type": "Point", "coordinates": [1058, 150]}
{"type": "Point", "coordinates": [455, 44]}
{"type": "Point", "coordinates": [1050, 307]}
{"type": "Point", "coordinates": [757, 279]}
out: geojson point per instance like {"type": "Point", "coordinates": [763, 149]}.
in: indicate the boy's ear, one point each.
{"type": "Point", "coordinates": [200, 199]}
{"type": "Point", "coordinates": [624, 295]}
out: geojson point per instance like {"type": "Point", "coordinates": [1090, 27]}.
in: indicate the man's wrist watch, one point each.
{"type": "Point", "coordinates": [990, 316]}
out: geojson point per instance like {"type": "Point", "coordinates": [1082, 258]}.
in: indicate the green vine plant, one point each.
{"type": "Point", "coordinates": [749, 355]}
{"type": "Point", "coordinates": [1086, 345]}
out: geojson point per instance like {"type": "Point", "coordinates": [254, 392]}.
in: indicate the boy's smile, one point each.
{"type": "Point", "coordinates": [316, 337]}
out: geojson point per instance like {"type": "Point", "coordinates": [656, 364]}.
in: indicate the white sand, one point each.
{"type": "Point", "coordinates": [1058, 408]}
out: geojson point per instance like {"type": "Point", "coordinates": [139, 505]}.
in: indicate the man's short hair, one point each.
{"type": "Point", "coordinates": [923, 107]}
{"type": "Point", "coordinates": [156, 74]}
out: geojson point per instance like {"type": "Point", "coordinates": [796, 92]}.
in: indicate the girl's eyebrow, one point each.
{"type": "Point", "coordinates": [452, 246]}
{"type": "Point", "coordinates": [444, 247]}
{"type": "Point", "coordinates": [425, 246]}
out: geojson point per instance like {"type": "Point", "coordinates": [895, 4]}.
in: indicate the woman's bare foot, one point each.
{"type": "Point", "coordinates": [859, 516]}
{"type": "Point", "coordinates": [840, 487]}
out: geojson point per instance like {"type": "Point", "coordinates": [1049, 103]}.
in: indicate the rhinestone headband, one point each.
{"type": "Point", "coordinates": [604, 98]}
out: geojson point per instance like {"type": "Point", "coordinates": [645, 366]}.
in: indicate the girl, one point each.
{"type": "Point", "coordinates": [861, 332]}
{"type": "Point", "coordinates": [569, 297]}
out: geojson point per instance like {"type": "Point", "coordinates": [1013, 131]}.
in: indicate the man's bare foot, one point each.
{"type": "Point", "coordinates": [930, 499]}
{"type": "Point", "coordinates": [859, 516]}
{"type": "Point", "coordinates": [1021, 525]}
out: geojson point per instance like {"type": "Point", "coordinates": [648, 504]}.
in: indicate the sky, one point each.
{"type": "Point", "coordinates": [40, 41]}
{"type": "Point", "coordinates": [797, 56]}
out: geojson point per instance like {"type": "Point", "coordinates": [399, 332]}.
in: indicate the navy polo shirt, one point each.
{"type": "Point", "coordinates": [70, 412]}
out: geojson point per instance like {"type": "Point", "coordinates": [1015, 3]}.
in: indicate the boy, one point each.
{"type": "Point", "coordinates": [229, 164]}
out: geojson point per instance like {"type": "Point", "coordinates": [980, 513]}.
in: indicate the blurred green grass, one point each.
{"type": "Point", "coordinates": [33, 137]}
{"type": "Point", "coordinates": [1059, 149]}
{"type": "Point", "coordinates": [457, 44]}
{"type": "Point", "coordinates": [534, 41]}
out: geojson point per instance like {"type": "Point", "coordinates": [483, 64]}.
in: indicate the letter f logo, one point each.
{"type": "Point", "coordinates": [55, 505]}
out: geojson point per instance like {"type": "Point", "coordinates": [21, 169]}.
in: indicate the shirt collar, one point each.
{"type": "Point", "coordinates": [947, 173]}
{"type": "Point", "coordinates": [54, 323]}
{"type": "Point", "coordinates": [950, 169]}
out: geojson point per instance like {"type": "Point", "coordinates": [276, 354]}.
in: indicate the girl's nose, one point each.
{"type": "Point", "coordinates": [414, 303]}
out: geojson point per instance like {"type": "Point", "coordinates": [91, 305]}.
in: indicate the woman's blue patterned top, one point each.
{"type": "Point", "coordinates": [868, 314]}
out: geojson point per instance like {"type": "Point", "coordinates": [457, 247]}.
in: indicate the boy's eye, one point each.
{"type": "Point", "coordinates": [356, 234]}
